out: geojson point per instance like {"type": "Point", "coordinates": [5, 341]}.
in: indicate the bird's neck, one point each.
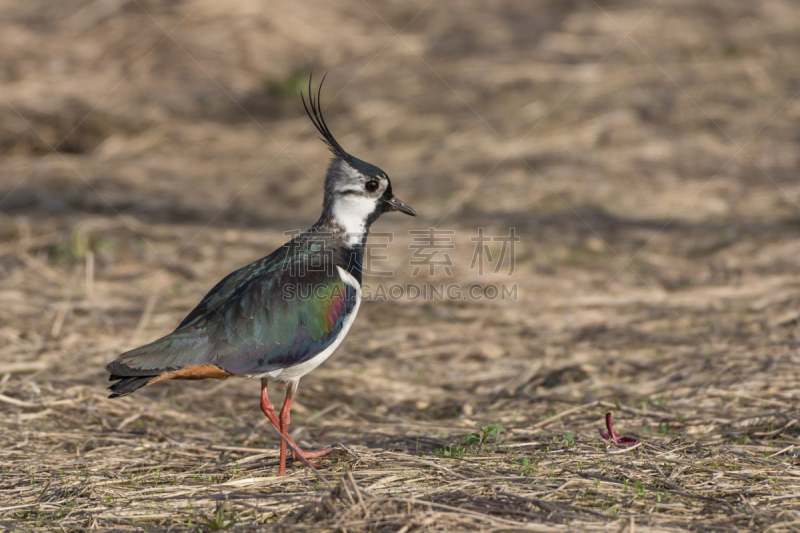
{"type": "Point", "coordinates": [346, 247]}
{"type": "Point", "coordinates": [349, 219]}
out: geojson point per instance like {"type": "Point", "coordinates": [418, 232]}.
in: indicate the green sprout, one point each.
{"type": "Point", "coordinates": [492, 430]}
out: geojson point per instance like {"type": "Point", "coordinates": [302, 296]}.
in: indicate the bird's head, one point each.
{"type": "Point", "coordinates": [356, 192]}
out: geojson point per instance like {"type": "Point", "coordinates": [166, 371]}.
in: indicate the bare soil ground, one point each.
{"type": "Point", "coordinates": [645, 152]}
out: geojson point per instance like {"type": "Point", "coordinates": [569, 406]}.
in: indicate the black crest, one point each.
{"type": "Point", "coordinates": [315, 114]}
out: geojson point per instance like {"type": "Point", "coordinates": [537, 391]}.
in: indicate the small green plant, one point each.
{"type": "Point", "coordinates": [492, 430]}
{"type": "Point", "coordinates": [527, 467]}
{"type": "Point", "coordinates": [451, 451]}
{"type": "Point", "coordinates": [288, 87]}
{"type": "Point", "coordinates": [219, 522]}
{"type": "Point", "coordinates": [77, 248]}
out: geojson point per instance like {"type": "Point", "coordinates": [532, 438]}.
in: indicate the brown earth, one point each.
{"type": "Point", "coordinates": [646, 154]}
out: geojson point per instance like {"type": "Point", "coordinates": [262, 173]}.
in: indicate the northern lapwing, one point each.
{"type": "Point", "coordinates": [283, 315]}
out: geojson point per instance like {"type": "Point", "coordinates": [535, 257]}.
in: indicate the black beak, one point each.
{"type": "Point", "coordinates": [396, 204]}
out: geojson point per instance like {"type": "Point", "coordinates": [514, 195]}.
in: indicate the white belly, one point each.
{"type": "Point", "coordinates": [295, 372]}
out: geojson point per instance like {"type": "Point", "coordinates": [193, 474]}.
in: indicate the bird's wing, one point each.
{"type": "Point", "coordinates": [235, 282]}
{"type": "Point", "coordinates": [259, 318]}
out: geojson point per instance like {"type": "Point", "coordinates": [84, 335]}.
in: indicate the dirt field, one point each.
{"type": "Point", "coordinates": [646, 153]}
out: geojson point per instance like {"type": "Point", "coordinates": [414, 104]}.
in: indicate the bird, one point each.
{"type": "Point", "coordinates": [283, 315]}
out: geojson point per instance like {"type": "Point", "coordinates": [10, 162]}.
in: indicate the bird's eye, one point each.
{"type": "Point", "coordinates": [371, 186]}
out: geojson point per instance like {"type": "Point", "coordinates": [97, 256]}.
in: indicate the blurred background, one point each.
{"type": "Point", "coordinates": [646, 154]}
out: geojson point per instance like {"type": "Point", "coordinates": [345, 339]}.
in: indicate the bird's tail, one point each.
{"type": "Point", "coordinates": [127, 385]}
{"type": "Point", "coordinates": [179, 355]}
{"type": "Point", "coordinates": [138, 367]}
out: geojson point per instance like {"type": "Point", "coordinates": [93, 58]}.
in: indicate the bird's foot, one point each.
{"type": "Point", "coordinates": [313, 455]}
{"type": "Point", "coordinates": [309, 455]}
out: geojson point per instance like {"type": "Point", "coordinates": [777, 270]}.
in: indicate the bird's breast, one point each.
{"type": "Point", "coordinates": [295, 372]}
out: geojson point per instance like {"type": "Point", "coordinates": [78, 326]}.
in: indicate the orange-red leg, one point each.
{"type": "Point", "coordinates": [267, 407]}
{"type": "Point", "coordinates": [291, 388]}
{"type": "Point", "coordinates": [269, 410]}
{"type": "Point", "coordinates": [281, 423]}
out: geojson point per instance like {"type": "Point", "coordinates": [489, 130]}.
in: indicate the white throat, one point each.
{"type": "Point", "coordinates": [351, 213]}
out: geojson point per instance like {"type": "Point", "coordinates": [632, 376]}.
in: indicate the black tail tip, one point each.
{"type": "Point", "coordinates": [125, 386]}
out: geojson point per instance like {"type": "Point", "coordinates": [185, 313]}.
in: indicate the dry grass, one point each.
{"type": "Point", "coordinates": [653, 179]}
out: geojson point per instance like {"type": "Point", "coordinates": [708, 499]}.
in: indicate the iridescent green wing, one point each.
{"type": "Point", "coordinates": [265, 316]}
